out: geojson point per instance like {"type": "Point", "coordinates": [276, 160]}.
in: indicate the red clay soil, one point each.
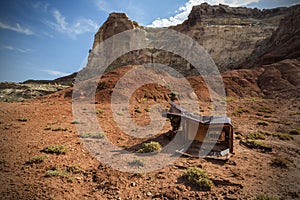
{"type": "Point", "coordinates": [28, 127]}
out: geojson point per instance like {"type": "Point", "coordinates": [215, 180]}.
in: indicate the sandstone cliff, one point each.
{"type": "Point", "coordinates": [283, 44]}
{"type": "Point", "coordinates": [228, 34]}
{"type": "Point", "coordinates": [279, 58]}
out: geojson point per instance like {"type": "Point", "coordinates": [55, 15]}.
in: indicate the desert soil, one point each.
{"type": "Point", "coordinates": [28, 127]}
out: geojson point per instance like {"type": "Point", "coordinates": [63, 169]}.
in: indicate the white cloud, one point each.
{"type": "Point", "coordinates": [11, 48]}
{"type": "Point", "coordinates": [17, 28]}
{"type": "Point", "coordinates": [80, 26]}
{"type": "Point", "coordinates": [104, 6]}
{"type": "Point", "coordinates": [182, 13]}
{"type": "Point", "coordinates": [54, 73]}
{"type": "Point", "coordinates": [41, 6]}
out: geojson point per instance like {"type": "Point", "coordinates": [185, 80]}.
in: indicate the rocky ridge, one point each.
{"type": "Point", "coordinates": [283, 44]}
{"type": "Point", "coordinates": [228, 34]}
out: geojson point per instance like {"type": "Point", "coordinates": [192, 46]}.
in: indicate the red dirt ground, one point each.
{"type": "Point", "coordinates": [248, 172]}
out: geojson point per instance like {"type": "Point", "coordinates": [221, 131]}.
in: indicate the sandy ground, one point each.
{"type": "Point", "coordinates": [24, 133]}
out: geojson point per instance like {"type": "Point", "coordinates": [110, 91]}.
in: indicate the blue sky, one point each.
{"type": "Point", "coordinates": [49, 39]}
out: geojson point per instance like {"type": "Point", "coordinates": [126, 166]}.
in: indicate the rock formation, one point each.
{"type": "Point", "coordinates": [116, 23]}
{"type": "Point", "coordinates": [283, 44]}
{"type": "Point", "coordinates": [228, 34]}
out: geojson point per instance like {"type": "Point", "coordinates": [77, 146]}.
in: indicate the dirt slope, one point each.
{"type": "Point", "coordinates": [28, 127]}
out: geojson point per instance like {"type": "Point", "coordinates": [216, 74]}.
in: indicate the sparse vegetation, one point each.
{"type": "Point", "coordinates": [36, 159]}
{"type": "Point", "coordinates": [22, 119]}
{"type": "Point", "coordinates": [238, 137]}
{"type": "Point", "coordinates": [97, 135]}
{"type": "Point", "coordinates": [65, 173]}
{"type": "Point", "coordinates": [267, 116]}
{"type": "Point", "coordinates": [265, 197]}
{"type": "Point", "coordinates": [198, 177]}
{"type": "Point", "coordinates": [147, 109]}
{"type": "Point", "coordinates": [56, 172]}
{"type": "Point", "coordinates": [265, 110]}
{"type": "Point", "coordinates": [239, 111]}
{"type": "Point", "coordinates": [288, 123]}
{"type": "Point", "coordinates": [47, 128]}
{"type": "Point", "coordinates": [98, 111]}
{"type": "Point", "coordinates": [137, 162]}
{"type": "Point", "coordinates": [172, 95]}
{"type": "Point", "coordinates": [76, 121]}
{"type": "Point", "coordinates": [267, 133]}
{"type": "Point", "coordinates": [55, 149]}
{"type": "Point", "coordinates": [120, 113]}
{"type": "Point", "coordinates": [294, 132]}
{"type": "Point", "coordinates": [258, 145]}
{"type": "Point", "coordinates": [283, 136]}
{"type": "Point", "coordinates": [150, 147]}
{"type": "Point", "coordinates": [74, 169]}
{"type": "Point", "coordinates": [134, 129]}
{"type": "Point", "coordinates": [59, 129]}
{"type": "Point", "coordinates": [262, 123]}
{"type": "Point", "coordinates": [60, 173]}
{"type": "Point", "coordinates": [138, 175]}
{"type": "Point", "coordinates": [137, 110]}
{"type": "Point", "coordinates": [229, 99]}
{"type": "Point", "coordinates": [255, 99]}
{"type": "Point", "coordinates": [281, 162]}
{"type": "Point", "coordinates": [256, 136]}
{"type": "Point", "coordinates": [3, 161]}
{"type": "Point", "coordinates": [141, 100]}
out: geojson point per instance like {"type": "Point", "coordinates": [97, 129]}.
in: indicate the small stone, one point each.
{"type": "Point", "coordinates": [149, 194]}
{"type": "Point", "coordinates": [133, 184]}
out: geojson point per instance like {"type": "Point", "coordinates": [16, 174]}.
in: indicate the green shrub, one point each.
{"type": "Point", "coordinates": [281, 162]}
{"type": "Point", "coordinates": [120, 113]}
{"type": "Point", "coordinates": [37, 159]}
{"type": "Point", "coordinates": [3, 161]}
{"type": "Point", "coordinates": [57, 173]}
{"type": "Point", "coordinates": [283, 136]}
{"type": "Point", "coordinates": [147, 109]}
{"type": "Point", "coordinates": [267, 133]}
{"type": "Point", "coordinates": [144, 99]}
{"type": "Point", "coordinates": [198, 177]}
{"type": "Point", "coordinates": [229, 99]}
{"type": "Point", "coordinates": [98, 111]}
{"type": "Point", "coordinates": [262, 123]}
{"type": "Point", "coordinates": [294, 132]}
{"type": "Point", "coordinates": [256, 136]}
{"type": "Point", "coordinates": [265, 110]}
{"type": "Point", "coordinates": [265, 197]}
{"type": "Point", "coordinates": [22, 119]}
{"type": "Point", "coordinates": [59, 129]}
{"type": "Point", "coordinates": [288, 123]}
{"type": "Point", "coordinates": [97, 135]}
{"type": "Point", "coordinates": [76, 121]}
{"type": "Point", "coordinates": [75, 169]}
{"type": "Point", "coordinates": [255, 99]}
{"type": "Point", "coordinates": [258, 144]}
{"type": "Point", "coordinates": [137, 110]}
{"type": "Point", "coordinates": [239, 111]}
{"type": "Point", "coordinates": [267, 116]}
{"type": "Point", "coordinates": [150, 147]}
{"type": "Point", "coordinates": [55, 149]}
{"type": "Point", "coordinates": [47, 128]}
{"type": "Point", "coordinates": [238, 137]}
